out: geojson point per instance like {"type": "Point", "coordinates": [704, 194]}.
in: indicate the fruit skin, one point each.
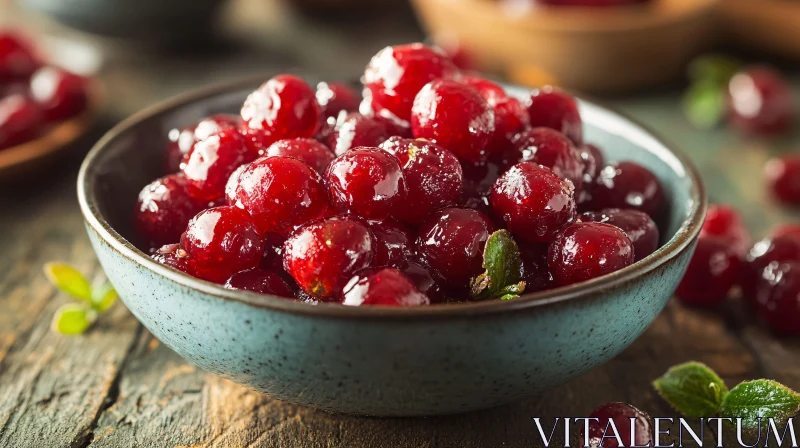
{"type": "Point", "coordinates": [353, 130]}
{"type": "Point", "coordinates": [334, 97]}
{"type": "Point", "coordinates": [60, 94]}
{"type": "Point", "coordinates": [533, 202]}
{"type": "Point", "coordinates": [638, 226]}
{"type": "Point", "coordinates": [422, 278]}
{"type": "Point", "coordinates": [593, 161]}
{"type": "Point", "coordinates": [17, 59]}
{"type": "Point", "coordinates": [382, 287]}
{"type": "Point", "coordinates": [628, 185]}
{"type": "Point", "coordinates": [211, 162]}
{"type": "Point", "coordinates": [261, 281]}
{"type": "Point", "coordinates": [725, 222]}
{"type": "Point", "coordinates": [394, 244]}
{"type": "Point", "coordinates": [451, 243]}
{"type": "Point", "coordinates": [786, 229]}
{"type": "Point", "coordinates": [478, 182]}
{"type": "Point", "coordinates": [181, 141]}
{"type": "Point", "coordinates": [367, 182]}
{"type": "Point", "coordinates": [549, 148]}
{"type": "Point", "coordinates": [535, 270]}
{"type": "Point", "coordinates": [713, 270]}
{"type": "Point", "coordinates": [778, 297]}
{"type": "Point", "coordinates": [586, 250]}
{"type": "Point", "coordinates": [21, 120]}
{"type": "Point", "coordinates": [620, 413]}
{"type": "Point", "coordinates": [781, 248]}
{"type": "Point", "coordinates": [432, 174]}
{"type": "Point", "coordinates": [510, 114]}
{"type": "Point", "coordinates": [279, 192]}
{"type": "Point", "coordinates": [174, 256]}
{"type": "Point", "coordinates": [313, 153]}
{"type": "Point", "coordinates": [163, 209]}
{"type": "Point", "coordinates": [455, 116]}
{"type": "Point", "coordinates": [324, 255]}
{"type": "Point", "coordinates": [550, 107]}
{"type": "Point", "coordinates": [782, 175]}
{"type": "Point", "coordinates": [760, 101]}
{"type": "Point", "coordinates": [221, 241]}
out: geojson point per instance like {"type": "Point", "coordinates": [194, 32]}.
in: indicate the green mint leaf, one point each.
{"type": "Point", "coordinates": [503, 264]}
{"type": "Point", "coordinates": [693, 389]}
{"type": "Point", "coordinates": [760, 398]}
{"type": "Point", "coordinates": [704, 104]}
{"type": "Point", "coordinates": [713, 68]}
{"type": "Point", "coordinates": [69, 280]}
{"type": "Point", "coordinates": [103, 298]}
{"type": "Point", "coordinates": [72, 319]}
{"type": "Point", "coordinates": [509, 296]}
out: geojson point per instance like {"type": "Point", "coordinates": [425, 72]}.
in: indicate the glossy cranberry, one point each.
{"type": "Point", "coordinates": [725, 222]}
{"type": "Point", "coordinates": [535, 270]}
{"type": "Point", "coordinates": [628, 185]}
{"type": "Point", "coordinates": [163, 210]}
{"type": "Point", "coordinates": [60, 94]}
{"type": "Point", "coordinates": [334, 97]}
{"type": "Point", "coordinates": [490, 91]}
{"type": "Point", "coordinates": [17, 59]}
{"type": "Point", "coordinates": [394, 244]}
{"type": "Point", "coordinates": [212, 161]}
{"type": "Point", "coordinates": [783, 178]}
{"type": "Point", "coordinates": [174, 256]}
{"type": "Point", "coordinates": [279, 192]}
{"type": "Point", "coordinates": [324, 255]}
{"type": "Point", "coordinates": [479, 178]}
{"type": "Point", "coordinates": [455, 116]}
{"type": "Point", "coordinates": [353, 130]}
{"type": "Point", "coordinates": [382, 287]}
{"type": "Point", "coordinates": [451, 244]}
{"type": "Point", "coordinates": [586, 250]}
{"type": "Point", "coordinates": [432, 176]}
{"type": "Point", "coordinates": [786, 229]}
{"type": "Point", "coordinates": [20, 120]}
{"type": "Point", "coordinates": [621, 414]}
{"type": "Point", "coordinates": [778, 297]}
{"type": "Point", "coordinates": [760, 101]}
{"type": "Point", "coordinates": [551, 108]}
{"type": "Point", "coordinates": [424, 281]}
{"type": "Point", "coordinates": [593, 161]}
{"type": "Point", "coordinates": [638, 226]}
{"type": "Point", "coordinates": [394, 125]}
{"type": "Point", "coordinates": [780, 249]}
{"type": "Point", "coordinates": [273, 252]}
{"type": "Point", "coordinates": [549, 148]}
{"type": "Point", "coordinates": [261, 281]}
{"type": "Point", "coordinates": [367, 182]}
{"type": "Point", "coordinates": [222, 241]}
{"type": "Point", "coordinates": [712, 271]}
{"type": "Point", "coordinates": [510, 114]}
{"type": "Point", "coordinates": [396, 74]}
{"type": "Point", "coordinates": [533, 202]}
{"type": "Point", "coordinates": [313, 153]}
{"type": "Point", "coordinates": [182, 140]}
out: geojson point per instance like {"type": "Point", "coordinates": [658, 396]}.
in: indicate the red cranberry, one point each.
{"type": "Point", "coordinates": [725, 222]}
{"type": "Point", "coordinates": [783, 178]}
{"type": "Point", "coordinates": [394, 125]}
{"type": "Point", "coordinates": [549, 148]}
{"type": "Point", "coordinates": [533, 201]}
{"type": "Point", "coordinates": [20, 120]}
{"type": "Point", "coordinates": [551, 108]}
{"type": "Point", "coordinates": [367, 182]}
{"type": "Point", "coordinates": [222, 241]}
{"type": "Point", "coordinates": [781, 249]}
{"type": "Point", "coordinates": [432, 175]}
{"type": "Point", "coordinates": [451, 243]}
{"type": "Point", "coordinates": [510, 114]}
{"type": "Point", "coordinates": [593, 161]}
{"type": "Point", "coordinates": [212, 161]}
{"type": "Point", "coordinates": [334, 97]}
{"type": "Point", "coordinates": [478, 182]}
{"type": "Point", "coordinates": [261, 281]}
{"type": "Point", "coordinates": [455, 51]}
{"type": "Point", "coordinates": [621, 414]}
{"type": "Point", "coordinates": [424, 281]}
{"type": "Point", "coordinates": [786, 229]}
{"type": "Point", "coordinates": [173, 256]}
{"type": "Point", "coordinates": [324, 255]}
{"type": "Point", "coordinates": [535, 270]}
{"type": "Point", "coordinates": [163, 210]}
{"type": "Point", "coordinates": [638, 226]}
{"type": "Point", "coordinates": [712, 272]}
{"type": "Point", "coordinates": [778, 297]}
{"type": "Point", "coordinates": [181, 141]}
{"type": "Point", "coordinates": [393, 243]}
{"type": "Point", "coordinates": [313, 153]}
{"type": "Point", "coordinates": [353, 130]}
{"type": "Point", "coordinates": [628, 185]}
{"type": "Point", "coordinates": [760, 101]}
{"type": "Point", "coordinates": [17, 59]}
{"type": "Point", "coordinates": [586, 250]}
{"type": "Point", "coordinates": [490, 91]}
{"type": "Point", "coordinates": [279, 192]}
{"type": "Point", "coordinates": [273, 252]}
{"type": "Point", "coordinates": [60, 94]}
{"type": "Point", "coordinates": [396, 74]}
{"type": "Point", "coordinates": [455, 116]}
{"type": "Point", "coordinates": [382, 287]}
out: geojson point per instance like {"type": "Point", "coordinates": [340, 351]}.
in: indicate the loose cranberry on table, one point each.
{"type": "Point", "coordinates": [783, 178]}
{"type": "Point", "coordinates": [222, 241]}
{"type": "Point", "coordinates": [182, 140]}
{"type": "Point", "coordinates": [760, 101]}
{"type": "Point", "coordinates": [432, 174]}
{"type": "Point", "coordinates": [163, 210]}
{"type": "Point", "coordinates": [262, 281]}
{"type": "Point", "coordinates": [21, 120]}
{"type": "Point", "coordinates": [593, 161]}
{"type": "Point", "coordinates": [353, 130]}
{"type": "Point", "coordinates": [780, 249]}
{"type": "Point", "coordinates": [451, 243]}
{"type": "Point", "coordinates": [279, 192]}
{"type": "Point", "coordinates": [638, 226]}
{"type": "Point", "coordinates": [628, 185]}
{"type": "Point", "coordinates": [382, 287]}
{"type": "Point", "coordinates": [549, 148]}
{"type": "Point", "coordinates": [551, 108]}
{"type": "Point", "coordinates": [334, 97]}
{"type": "Point", "coordinates": [586, 250]}
{"type": "Point", "coordinates": [211, 162]}
{"type": "Point", "coordinates": [60, 94]}
{"type": "Point", "coordinates": [454, 116]}
{"type": "Point", "coordinates": [394, 244]}
{"type": "Point", "coordinates": [174, 256]}
{"type": "Point", "coordinates": [313, 153]}
{"type": "Point", "coordinates": [725, 222]}
{"type": "Point", "coordinates": [324, 255]}
{"type": "Point", "coordinates": [367, 182]}
{"type": "Point", "coordinates": [534, 202]}
{"type": "Point", "coordinates": [777, 299]}
{"type": "Point", "coordinates": [712, 272]}
{"type": "Point", "coordinates": [535, 270]}
{"type": "Point", "coordinates": [17, 58]}
{"type": "Point", "coordinates": [621, 414]}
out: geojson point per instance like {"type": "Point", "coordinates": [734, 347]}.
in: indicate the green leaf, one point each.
{"type": "Point", "coordinates": [103, 298]}
{"type": "Point", "coordinates": [69, 280]}
{"type": "Point", "coordinates": [72, 319]}
{"type": "Point", "coordinates": [693, 389]}
{"type": "Point", "coordinates": [503, 275]}
{"type": "Point", "coordinates": [704, 104]}
{"type": "Point", "coordinates": [760, 398]}
{"type": "Point", "coordinates": [713, 68]}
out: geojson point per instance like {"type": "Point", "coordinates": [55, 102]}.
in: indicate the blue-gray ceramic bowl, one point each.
{"type": "Point", "coordinates": [379, 361]}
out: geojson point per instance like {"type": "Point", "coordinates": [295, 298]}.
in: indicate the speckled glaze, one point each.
{"type": "Point", "coordinates": [377, 361]}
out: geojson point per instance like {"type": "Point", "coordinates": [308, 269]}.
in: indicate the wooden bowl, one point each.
{"type": "Point", "coordinates": [772, 26]}
{"type": "Point", "coordinates": [615, 49]}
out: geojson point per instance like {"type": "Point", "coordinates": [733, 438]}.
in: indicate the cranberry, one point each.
{"type": "Point", "coordinates": [367, 182]}
{"type": "Point", "coordinates": [424, 281]}
{"type": "Point", "coordinates": [479, 178]}
{"type": "Point", "coordinates": [783, 178]}
{"type": "Point", "coordinates": [628, 185]}
{"type": "Point", "coordinates": [382, 287]}
{"type": "Point", "coordinates": [273, 252]}
{"type": "Point", "coordinates": [455, 116]}
{"type": "Point", "coordinates": [261, 281]}
{"type": "Point", "coordinates": [353, 130]}
{"type": "Point", "coordinates": [778, 297]}
{"type": "Point", "coordinates": [60, 94]}
{"type": "Point", "coordinates": [786, 229]}
{"type": "Point", "coordinates": [781, 249]}
{"type": "Point", "coordinates": [313, 153]}
{"type": "Point", "coordinates": [535, 270]}
{"type": "Point", "coordinates": [510, 114]}
{"type": "Point", "coordinates": [394, 125]}
{"type": "Point", "coordinates": [279, 192]}
{"type": "Point", "coordinates": [725, 222]}
{"type": "Point", "coordinates": [163, 210]}
{"type": "Point", "coordinates": [760, 101]}
{"type": "Point", "coordinates": [173, 256]}
{"type": "Point", "coordinates": [549, 148]}
{"type": "Point", "coordinates": [17, 59]}
{"type": "Point", "coordinates": [396, 74]}
{"type": "Point", "coordinates": [324, 255]}
{"type": "Point", "coordinates": [712, 272]}
{"type": "Point", "coordinates": [20, 120]}
{"type": "Point", "coordinates": [212, 161]}
{"type": "Point", "coordinates": [334, 97]}
{"type": "Point", "coordinates": [593, 160]}
{"type": "Point", "coordinates": [533, 201]}
{"type": "Point", "coordinates": [393, 243]}
{"type": "Point", "coordinates": [451, 243]}
{"type": "Point", "coordinates": [182, 140]}
{"type": "Point", "coordinates": [586, 250]}
{"type": "Point", "coordinates": [638, 226]}
{"type": "Point", "coordinates": [551, 108]}
{"type": "Point", "coordinates": [490, 91]}
{"type": "Point", "coordinates": [432, 175]}
{"type": "Point", "coordinates": [621, 414]}
{"type": "Point", "coordinates": [222, 241]}
{"type": "Point", "coordinates": [455, 50]}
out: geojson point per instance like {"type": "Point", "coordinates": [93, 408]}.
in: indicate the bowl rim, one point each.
{"type": "Point", "coordinates": [682, 239]}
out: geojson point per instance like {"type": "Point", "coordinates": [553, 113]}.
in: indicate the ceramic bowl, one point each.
{"type": "Point", "coordinates": [379, 361]}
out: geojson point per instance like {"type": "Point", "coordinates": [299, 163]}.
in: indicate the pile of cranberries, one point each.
{"type": "Point", "coordinates": [33, 96]}
{"type": "Point", "coordinates": [389, 198]}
